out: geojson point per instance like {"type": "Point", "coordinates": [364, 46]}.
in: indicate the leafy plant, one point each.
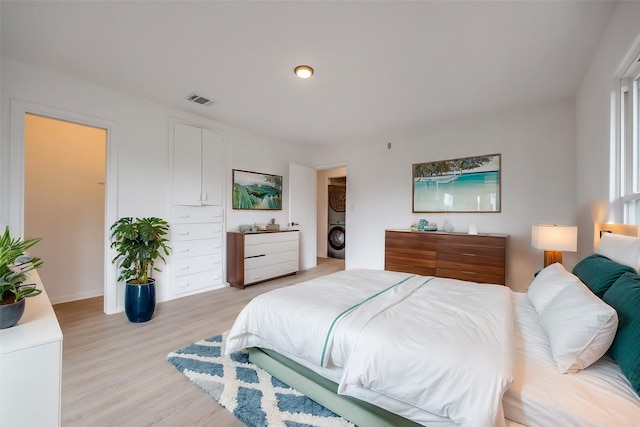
{"type": "Point", "coordinates": [139, 243]}
{"type": "Point", "coordinates": [14, 266]}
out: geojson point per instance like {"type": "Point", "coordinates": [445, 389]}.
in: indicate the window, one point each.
{"type": "Point", "coordinates": [630, 143]}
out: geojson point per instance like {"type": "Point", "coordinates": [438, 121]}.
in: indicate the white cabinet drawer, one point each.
{"type": "Point", "coordinates": [190, 248]}
{"type": "Point", "coordinates": [269, 271]}
{"type": "Point", "coordinates": [182, 232]}
{"type": "Point", "coordinates": [192, 282]}
{"type": "Point", "coordinates": [270, 248]}
{"type": "Point", "coordinates": [263, 260]}
{"type": "Point", "coordinates": [197, 264]}
{"type": "Point", "coordinates": [198, 214]}
{"type": "Point", "coordinates": [261, 238]}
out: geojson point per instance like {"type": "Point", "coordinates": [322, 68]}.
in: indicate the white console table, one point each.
{"type": "Point", "coordinates": [31, 365]}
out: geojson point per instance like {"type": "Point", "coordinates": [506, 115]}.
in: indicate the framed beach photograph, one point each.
{"type": "Point", "coordinates": [254, 190]}
{"type": "Point", "coordinates": [467, 184]}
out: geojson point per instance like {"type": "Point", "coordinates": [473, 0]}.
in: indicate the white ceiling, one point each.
{"type": "Point", "coordinates": [380, 66]}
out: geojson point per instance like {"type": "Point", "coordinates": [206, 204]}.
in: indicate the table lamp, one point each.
{"type": "Point", "coordinates": [554, 239]}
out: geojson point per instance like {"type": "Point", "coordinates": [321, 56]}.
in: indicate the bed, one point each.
{"type": "Point", "coordinates": [385, 348]}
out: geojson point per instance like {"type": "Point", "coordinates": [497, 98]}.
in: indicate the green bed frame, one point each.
{"type": "Point", "coordinates": [324, 391]}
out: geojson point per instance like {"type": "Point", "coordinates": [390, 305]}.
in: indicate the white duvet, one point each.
{"type": "Point", "coordinates": [442, 347]}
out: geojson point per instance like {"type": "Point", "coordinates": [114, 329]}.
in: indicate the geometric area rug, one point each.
{"type": "Point", "coordinates": [247, 391]}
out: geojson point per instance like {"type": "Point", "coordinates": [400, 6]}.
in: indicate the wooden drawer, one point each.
{"type": "Point", "coordinates": [192, 282]}
{"type": "Point", "coordinates": [477, 241]}
{"type": "Point", "coordinates": [182, 232]}
{"type": "Point", "coordinates": [470, 255]}
{"type": "Point", "coordinates": [190, 248]}
{"type": "Point", "coordinates": [197, 264]}
{"type": "Point", "coordinates": [410, 241]}
{"type": "Point", "coordinates": [410, 252]}
{"type": "Point", "coordinates": [198, 214]}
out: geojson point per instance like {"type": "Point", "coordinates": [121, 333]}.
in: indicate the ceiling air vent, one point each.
{"type": "Point", "coordinates": [194, 97]}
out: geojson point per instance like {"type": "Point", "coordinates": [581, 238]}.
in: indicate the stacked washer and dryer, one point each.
{"type": "Point", "coordinates": [336, 214]}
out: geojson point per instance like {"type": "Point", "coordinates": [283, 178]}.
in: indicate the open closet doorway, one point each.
{"type": "Point", "coordinates": [332, 213]}
{"type": "Point", "coordinates": [64, 204]}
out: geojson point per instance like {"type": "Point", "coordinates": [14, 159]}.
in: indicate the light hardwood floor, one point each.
{"type": "Point", "coordinates": [115, 373]}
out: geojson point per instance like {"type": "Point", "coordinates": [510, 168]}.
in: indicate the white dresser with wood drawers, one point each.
{"type": "Point", "coordinates": [256, 257]}
{"type": "Point", "coordinates": [197, 245]}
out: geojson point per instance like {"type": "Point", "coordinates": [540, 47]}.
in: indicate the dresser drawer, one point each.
{"type": "Point", "coordinates": [182, 232]}
{"type": "Point", "coordinates": [410, 252]}
{"type": "Point", "coordinates": [273, 258]}
{"type": "Point", "coordinates": [190, 248]}
{"type": "Point", "coordinates": [270, 248]}
{"type": "Point", "coordinates": [198, 214]}
{"type": "Point", "coordinates": [269, 271]}
{"type": "Point", "coordinates": [192, 282]}
{"type": "Point", "coordinates": [471, 255]}
{"type": "Point", "coordinates": [479, 275]}
{"type": "Point", "coordinates": [197, 264]}
{"type": "Point", "coordinates": [264, 238]}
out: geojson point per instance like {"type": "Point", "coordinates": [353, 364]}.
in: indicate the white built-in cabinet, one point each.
{"type": "Point", "coordinates": [198, 166]}
{"type": "Point", "coordinates": [197, 227]}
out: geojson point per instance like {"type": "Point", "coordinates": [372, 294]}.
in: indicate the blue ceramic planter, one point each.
{"type": "Point", "coordinates": [140, 301]}
{"type": "Point", "coordinates": [10, 314]}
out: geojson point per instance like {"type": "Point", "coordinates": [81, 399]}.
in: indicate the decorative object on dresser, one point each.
{"type": "Point", "coordinates": [254, 190]}
{"type": "Point", "coordinates": [14, 268]}
{"type": "Point", "coordinates": [139, 243]}
{"type": "Point", "coordinates": [469, 184]}
{"type": "Point", "coordinates": [197, 241]}
{"type": "Point", "coordinates": [473, 257]}
{"type": "Point", "coordinates": [256, 257]}
{"type": "Point", "coordinates": [554, 239]}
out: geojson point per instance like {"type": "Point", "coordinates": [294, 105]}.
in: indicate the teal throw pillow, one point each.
{"type": "Point", "coordinates": [624, 297]}
{"type": "Point", "coordinates": [598, 272]}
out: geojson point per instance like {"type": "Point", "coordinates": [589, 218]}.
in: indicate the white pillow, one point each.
{"type": "Point", "coordinates": [580, 327]}
{"type": "Point", "coordinates": [548, 284]}
{"type": "Point", "coordinates": [621, 249]}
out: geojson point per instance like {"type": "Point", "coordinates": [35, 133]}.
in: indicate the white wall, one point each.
{"type": "Point", "coordinates": [538, 181]}
{"type": "Point", "coordinates": [142, 130]}
{"type": "Point", "coordinates": [595, 132]}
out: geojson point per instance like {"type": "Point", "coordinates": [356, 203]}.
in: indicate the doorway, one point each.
{"type": "Point", "coordinates": [64, 204]}
{"type": "Point", "coordinates": [332, 213]}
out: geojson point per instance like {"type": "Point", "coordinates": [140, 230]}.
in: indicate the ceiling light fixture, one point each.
{"type": "Point", "coordinates": [303, 71]}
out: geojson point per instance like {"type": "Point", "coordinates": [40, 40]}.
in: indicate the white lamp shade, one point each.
{"type": "Point", "coordinates": [551, 237]}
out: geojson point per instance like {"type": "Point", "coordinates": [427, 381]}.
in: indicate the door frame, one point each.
{"type": "Point", "coordinates": [16, 177]}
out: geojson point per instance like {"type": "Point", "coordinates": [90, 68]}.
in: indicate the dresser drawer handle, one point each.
{"type": "Point", "coordinates": [186, 233]}
{"type": "Point", "coordinates": [255, 256]}
{"type": "Point", "coordinates": [468, 254]}
{"type": "Point", "coordinates": [469, 272]}
{"type": "Point", "coordinates": [184, 268]}
{"type": "Point", "coordinates": [185, 216]}
{"type": "Point", "coordinates": [184, 250]}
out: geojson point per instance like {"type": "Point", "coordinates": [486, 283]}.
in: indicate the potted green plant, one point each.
{"type": "Point", "coordinates": [139, 243]}
{"type": "Point", "coordinates": [14, 266]}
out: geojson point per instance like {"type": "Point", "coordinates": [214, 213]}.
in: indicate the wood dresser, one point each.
{"type": "Point", "coordinates": [474, 257]}
{"type": "Point", "coordinates": [256, 257]}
